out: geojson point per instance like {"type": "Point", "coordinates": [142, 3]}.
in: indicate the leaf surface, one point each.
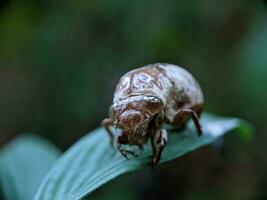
{"type": "Point", "coordinates": [92, 161]}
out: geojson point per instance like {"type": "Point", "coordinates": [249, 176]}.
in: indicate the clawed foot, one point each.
{"type": "Point", "coordinates": [159, 142]}
{"type": "Point", "coordinates": [157, 156]}
{"type": "Point", "coordinates": [124, 152]}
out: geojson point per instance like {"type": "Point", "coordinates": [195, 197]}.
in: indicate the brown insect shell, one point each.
{"type": "Point", "coordinates": [173, 85]}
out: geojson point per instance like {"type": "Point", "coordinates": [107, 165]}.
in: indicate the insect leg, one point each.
{"type": "Point", "coordinates": [106, 123]}
{"type": "Point", "coordinates": [159, 141]}
{"type": "Point", "coordinates": [183, 114]}
{"type": "Point", "coordinates": [121, 140]}
{"type": "Point", "coordinates": [121, 150]}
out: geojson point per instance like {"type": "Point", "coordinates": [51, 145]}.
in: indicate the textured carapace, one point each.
{"type": "Point", "coordinates": [148, 97]}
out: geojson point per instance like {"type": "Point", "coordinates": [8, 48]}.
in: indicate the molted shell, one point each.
{"type": "Point", "coordinates": [175, 86]}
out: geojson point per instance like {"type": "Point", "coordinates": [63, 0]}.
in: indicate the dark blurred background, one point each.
{"type": "Point", "coordinates": [60, 61]}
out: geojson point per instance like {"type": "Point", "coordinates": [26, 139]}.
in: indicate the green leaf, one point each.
{"type": "Point", "coordinates": [23, 164]}
{"type": "Point", "coordinates": [92, 162]}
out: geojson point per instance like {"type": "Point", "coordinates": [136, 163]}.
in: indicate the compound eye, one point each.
{"type": "Point", "coordinates": [154, 105]}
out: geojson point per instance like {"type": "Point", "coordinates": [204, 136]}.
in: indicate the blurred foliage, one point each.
{"type": "Point", "coordinates": [24, 163]}
{"type": "Point", "coordinates": [60, 61]}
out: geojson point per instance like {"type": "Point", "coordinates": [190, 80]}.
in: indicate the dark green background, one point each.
{"type": "Point", "coordinates": [60, 62]}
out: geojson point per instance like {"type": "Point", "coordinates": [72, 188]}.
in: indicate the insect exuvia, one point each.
{"type": "Point", "coordinates": [147, 98]}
